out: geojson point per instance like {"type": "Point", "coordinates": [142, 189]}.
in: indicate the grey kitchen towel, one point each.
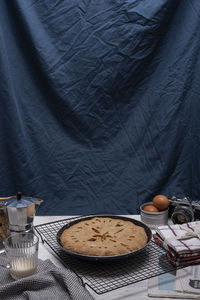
{"type": "Point", "coordinates": [50, 282]}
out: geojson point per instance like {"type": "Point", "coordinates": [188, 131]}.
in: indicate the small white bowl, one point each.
{"type": "Point", "coordinates": [153, 219]}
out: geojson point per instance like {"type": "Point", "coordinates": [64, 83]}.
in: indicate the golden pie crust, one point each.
{"type": "Point", "coordinates": [103, 236]}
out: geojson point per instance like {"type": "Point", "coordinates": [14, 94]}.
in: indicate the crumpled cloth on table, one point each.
{"type": "Point", "coordinates": [182, 242]}
{"type": "Point", "coordinates": [50, 282]}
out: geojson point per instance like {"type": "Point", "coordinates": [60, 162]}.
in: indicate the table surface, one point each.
{"type": "Point", "coordinates": [130, 292]}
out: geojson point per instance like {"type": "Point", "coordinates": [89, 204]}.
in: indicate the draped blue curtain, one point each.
{"type": "Point", "coordinates": [99, 102]}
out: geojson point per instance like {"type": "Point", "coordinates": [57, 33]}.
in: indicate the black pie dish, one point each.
{"type": "Point", "coordinates": [103, 258]}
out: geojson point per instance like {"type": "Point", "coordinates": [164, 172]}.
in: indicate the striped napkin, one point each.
{"type": "Point", "coordinates": [182, 242]}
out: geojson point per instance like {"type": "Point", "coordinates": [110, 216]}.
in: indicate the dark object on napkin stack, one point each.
{"type": "Point", "coordinates": [182, 242]}
{"type": "Point", "coordinates": [50, 282]}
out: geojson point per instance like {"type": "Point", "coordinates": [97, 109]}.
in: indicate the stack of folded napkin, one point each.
{"type": "Point", "coordinates": [182, 242]}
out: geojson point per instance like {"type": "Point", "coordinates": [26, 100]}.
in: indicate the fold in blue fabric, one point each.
{"type": "Point", "coordinates": [99, 102]}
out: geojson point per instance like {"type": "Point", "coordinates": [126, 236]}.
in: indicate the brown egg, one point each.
{"type": "Point", "coordinates": [161, 202]}
{"type": "Point", "coordinates": [150, 208]}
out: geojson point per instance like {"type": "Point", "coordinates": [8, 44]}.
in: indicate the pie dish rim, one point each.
{"type": "Point", "coordinates": [103, 258]}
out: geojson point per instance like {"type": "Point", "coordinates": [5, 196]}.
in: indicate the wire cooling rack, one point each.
{"type": "Point", "coordinates": [105, 277]}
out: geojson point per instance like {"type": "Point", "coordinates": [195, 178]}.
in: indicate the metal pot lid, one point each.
{"type": "Point", "coordinates": [20, 201]}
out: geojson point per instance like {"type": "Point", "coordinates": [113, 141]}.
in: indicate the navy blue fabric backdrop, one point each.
{"type": "Point", "coordinates": [99, 102]}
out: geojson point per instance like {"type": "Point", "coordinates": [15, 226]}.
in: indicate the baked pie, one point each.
{"type": "Point", "coordinates": [103, 236]}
